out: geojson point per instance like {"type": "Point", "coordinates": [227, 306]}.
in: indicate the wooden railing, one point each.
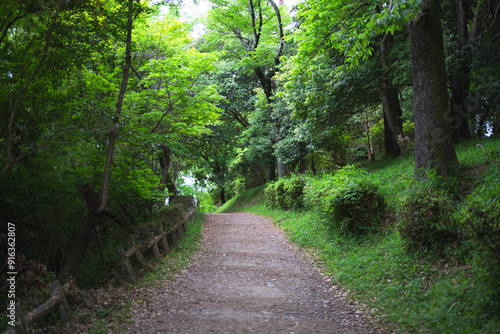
{"type": "Point", "coordinates": [57, 300]}
{"type": "Point", "coordinates": [167, 239]}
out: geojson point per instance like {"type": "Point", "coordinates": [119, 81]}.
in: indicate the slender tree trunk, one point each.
{"type": "Point", "coordinates": [222, 194]}
{"type": "Point", "coordinates": [390, 143]}
{"type": "Point", "coordinates": [433, 137]}
{"type": "Point", "coordinates": [390, 102]}
{"type": "Point", "coordinates": [371, 156]}
{"type": "Point", "coordinates": [272, 171]}
{"type": "Point", "coordinates": [166, 179]}
{"type": "Point", "coordinates": [95, 206]}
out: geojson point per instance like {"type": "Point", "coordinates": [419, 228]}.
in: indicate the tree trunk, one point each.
{"type": "Point", "coordinates": [460, 79]}
{"type": "Point", "coordinates": [433, 137]}
{"type": "Point", "coordinates": [166, 178]}
{"type": "Point", "coordinates": [313, 165]}
{"type": "Point", "coordinates": [83, 240]}
{"type": "Point", "coordinates": [272, 171]}
{"type": "Point", "coordinates": [371, 155]}
{"type": "Point", "coordinates": [390, 144]}
{"type": "Point", "coordinates": [394, 144]}
{"type": "Point", "coordinates": [283, 169]}
{"type": "Point", "coordinates": [222, 194]}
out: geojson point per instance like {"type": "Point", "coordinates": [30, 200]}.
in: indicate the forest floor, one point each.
{"type": "Point", "coordinates": [247, 278]}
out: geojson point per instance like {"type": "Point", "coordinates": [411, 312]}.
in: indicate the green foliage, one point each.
{"type": "Point", "coordinates": [481, 215]}
{"type": "Point", "coordinates": [270, 195]}
{"type": "Point", "coordinates": [353, 204]}
{"type": "Point", "coordinates": [244, 200]}
{"type": "Point", "coordinates": [426, 218]}
{"type": "Point", "coordinates": [279, 187]}
{"type": "Point", "coordinates": [357, 208]}
{"type": "Point", "coordinates": [294, 192]}
{"type": "Point", "coordinates": [286, 193]}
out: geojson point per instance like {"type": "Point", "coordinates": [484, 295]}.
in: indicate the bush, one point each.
{"type": "Point", "coordinates": [294, 192]}
{"type": "Point", "coordinates": [481, 214]}
{"type": "Point", "coordinates": [355, 208]}
{"type": "Point", "coordinates": [279, 187]}
{"type": "Point", "coordinates": [426, 218]}
{"type": "Point", "coordinates": [353, 203]}
{"type": "Point", "coordinates": [270, 195]}
{"type": "Point", "coordinates": [286, 194]}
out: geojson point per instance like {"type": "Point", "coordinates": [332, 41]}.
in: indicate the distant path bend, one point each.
{"type": "Point", "coordinates": [247, 278]}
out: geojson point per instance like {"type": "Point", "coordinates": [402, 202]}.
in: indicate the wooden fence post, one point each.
{"type": "Point", "coordinates": [156, 251]}
{"type": "Point", "coordinates": [164, 243]}
{"type": "Point", "coordinates": [128, 266]}
{"type": "Point", "coordinates": [142, 261]}
{"type": "Point", "coordinates": [63, 308]}
{"type": "Point", "coordinates": [172, 238]}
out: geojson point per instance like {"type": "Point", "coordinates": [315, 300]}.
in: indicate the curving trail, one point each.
{"type": "Point", "coordinates": [247, 278]}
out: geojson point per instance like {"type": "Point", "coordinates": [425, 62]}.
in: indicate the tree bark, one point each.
{"type": "Point", "coordinates": [272, 172]}
{"type": "Point", "coordinates": [371, 155]}
{"type": "Point", "coordinates": [82, 242]}
{"type": "Point", "coordinates": [393, 136]}
{"type": "Point", "coordinates": [433, 137]}
{"type": "Point", "coordinates": [460, 79]}
{"type": "Point", "coordinates": [390, 144]}
{"type": "Point", "coordinates": [222, 194]}
{"type": "Point", "coordinates": [166, 178]}
{"type": "Point", "coordinates": [283, 169]}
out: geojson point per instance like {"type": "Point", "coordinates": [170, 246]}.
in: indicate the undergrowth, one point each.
{"type": "Point", "coordinates": [408, 289]}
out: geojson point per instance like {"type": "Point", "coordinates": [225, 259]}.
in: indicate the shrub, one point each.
{"type": "Point", "coordinates": [481, 214]}
{"type": "Point", "coordinates": [316, 191]}
{"type": "Point", "coordinates": [294, 192]}
{"type": "Point", "coordinates": [270, 195]}
{"type": "Point", "coordinates": [286, 193]}
{"type": "Point", "coordinates": [352, 202]}
{"type": "Point", "coordinates": [355, 208]}
{"type": "Point", "coordinates": [426, 218]}
{"type": "Point", "coordinates": [279, 187]}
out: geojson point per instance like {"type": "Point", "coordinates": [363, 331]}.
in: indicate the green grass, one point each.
{"type": "Point", "coordinates": [403, 291]}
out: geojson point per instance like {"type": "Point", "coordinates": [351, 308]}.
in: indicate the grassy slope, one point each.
{"type": "Point", "coordinates": [405, 292]}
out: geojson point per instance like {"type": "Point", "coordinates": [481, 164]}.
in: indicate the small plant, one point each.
{"type": "Point", "coordinates": [286, 193]}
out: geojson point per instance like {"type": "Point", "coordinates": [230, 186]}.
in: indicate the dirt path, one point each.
{"type": "Point", "coordinates": [247, 279]}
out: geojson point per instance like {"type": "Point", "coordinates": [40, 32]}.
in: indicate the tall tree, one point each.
{"type": "Point", "coordinates": [434, 146]}
{"type": "Point", "coordinates": [393, 123]}
{"type": "Point", "coordinates": [472, 24]}
{"type": "Point", "coordinates": [97, 204]}
{"type": "Point", "coordinates": [258, 27]}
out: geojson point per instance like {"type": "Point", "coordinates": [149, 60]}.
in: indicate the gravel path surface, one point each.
{"type": "Point", "coordinates": [247, 278]}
